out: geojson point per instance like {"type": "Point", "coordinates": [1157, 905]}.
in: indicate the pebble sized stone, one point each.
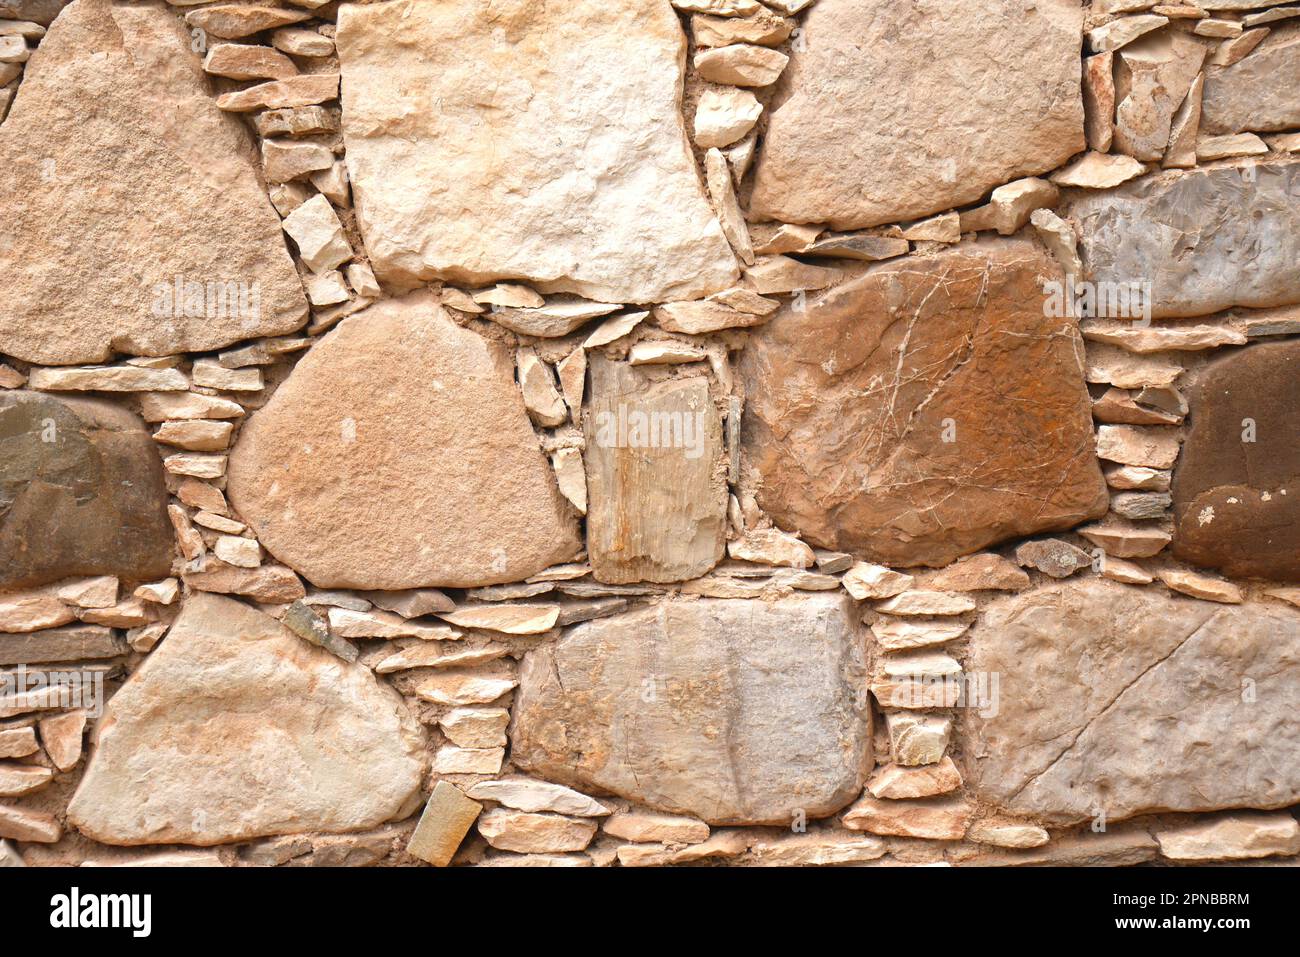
{"type": "Point", "coordinates": [300, 41]}
{"type": "Point", "coordinates": [771, 546]}
{"type": "Point", "coordinates": [1134, 445]}
{"type": "Point", "coordinates": [916, 739]}
{"type": "Point", "coordinates": [447, 817]}
{"type": "Point", "coordinates": [453, 760]}
{"type": "Point", "coordinates": [764, 27]}
{"type": "Point", "coordinates": [1119, 570]}
{"type": "Point", "coordinates": [741, 64]}
{"type": "Point", "coordinates": [1053, 557]}
{"type": "Point", "coordinates": [722, 117]}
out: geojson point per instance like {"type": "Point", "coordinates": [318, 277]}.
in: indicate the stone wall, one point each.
{"type": "Point", "coordinates": [615, 434]}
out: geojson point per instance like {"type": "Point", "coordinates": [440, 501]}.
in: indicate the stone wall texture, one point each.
{"type": "Point", "coordinates": [655, 433]}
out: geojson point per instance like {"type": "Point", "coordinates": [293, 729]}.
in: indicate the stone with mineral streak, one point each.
{"type": "Point", "coordinates": [240, 61]}
{"type": "Point", "coordinates": [446, 819]}
{"type": "Point", "coordinates": [649, 827]}
{"type": "Point", "coordinates": [1126, 540]}
{"type": "Point", "coordinates": [865, 580]}
{"type": "Point", "coordinates": [1201, 586]}
{"type": "Point", "coordinates": [432, 199]}
{"type": "Point", "coordinates": [724, 116]}
{"type": "Point", "coordinates": [763, 27]}
{"type": "Point", "coordinates": [1086, 666]}
{"type": "Point", "coordinates": [850, 396]}
{"type": "Point", "coordinates": [530, 833]}
{"type": "Point", "coordinates": [1098, 171]}
{"type": "Point", "coordinates": [865, 247]}
{"type": "Point", "coordinates": [162, 168]}
{"type": "Point", "coordinates": [248, 694]}
{"type": "Point", "coordinates": [895, 782]}
{"type": "Point", "coordinates": [1212, 27]}
{"type": "Point", "coordinates": [528, 794]}
{"type": "Point", "coordinates": [831, 156]}
{"type": "Point", "coordinates": [945, 819]}
{"type": "Point", "coordinates": [756, 711]}
{"type": "Point", "coordinates": [1231, 837]}
{"type": "Point", "coordinates": [741, 64]}
{"type": "Point", "coordinates": [307, 89]}
{"type": "Point", "coordinates": [902, 635]}
{"type": "Point", "coordinates": [983, 572]}
{"type": "Point", "coordinates": [336, 446]}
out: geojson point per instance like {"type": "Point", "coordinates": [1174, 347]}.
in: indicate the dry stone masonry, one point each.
{"type": "Point", "coordinates": [659, 433]}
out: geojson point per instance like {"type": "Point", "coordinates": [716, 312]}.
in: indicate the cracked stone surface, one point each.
{"type": "Point", "coordinates": [433, 479]}
{"type": "Point", "coordinates": [121, 176]}
{"type": "Point", "coordinates": [544, 142]}
{"type": "Point", "coordinates": [81, 493]}
{"type": "Point", "coordinates": [735, 711]}
{"type": "Point", "coordinates": [1132, 701]}
{"type": "Point", "coordinates": [1206, 239]}
{"type": "Point", "coordinates": [1237, 486]}
{"type": "Point", "coordinates": [1260, 92]}
{"type": "Point", "coordinates": [235, 728]}
{"type": "Point", "coordinates": [893, 111]}
{"type": "Point", "coordinates": [923, 410]}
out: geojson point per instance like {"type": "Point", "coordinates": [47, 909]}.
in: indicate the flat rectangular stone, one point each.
{"type": "Point", "coordinates": [60, 644]}
{"type": "Point", "coordinates": [446, 819]}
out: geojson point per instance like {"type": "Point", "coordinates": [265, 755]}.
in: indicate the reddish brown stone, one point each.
{"type": "Point", "coordinates": [924, 410]}
{"type": "Point", "coordinates": [1237, 502]}
{"type": "Point", "coordinates": [81, 493]}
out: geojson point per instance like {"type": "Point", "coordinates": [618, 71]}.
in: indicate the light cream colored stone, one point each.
{"type": "Point", "coordinates": [470, 194]}
{"type": "Point", "coordinates": [453, 760]}
{"type": "Point", "coordinates": [61, 737]}
{"type": "Point", "coordinates": [921, 602]}
{"type": "Point", "coordinates": [741, 64]}
{"type": "Point", "coordinates": [1154, 448]}
{"type": "Point", "coordinates": [196, 435]}
{"type": "Point", "coordinates": [529, 833]}
{"type": "Point", "coordinates": [1210, 148]}
{"type": "Point", "coordinates": [1098, 171]}
{"type": "Point", "coordinates": [98, 592]}
{"type": "Point", "coordinates": [19, 779]}
{"type": "Point", "coordinates": [762, 27]}
{"type": "Point", "coordinates": [446, 819]}
{"type": "Point", "coordinates": [1201, 586]}
{"type": "Point", "coordinates": [108, 379]}
{"type": "Point", "coordinates": [771, 546]}
{"type": "Point", "coordinates": [1002, 833]}
{"type": "Point", "coordinates": [895, 782]}
{"type": "Point", "coordinates": [724, 116]}
{"type": "Point", "coordinates": [865, 580]}
{"type": "Point", "coordinates": [649, 827]}
{"type": "Point", "coordinates": [241, 61]}
{"type": "Point", "coordinates": [279, 737]}
{"type": "Point", "coordinates": [315, 229]}
{"type": "Point", "coordinates": [904, 634]}
{"type": "Point", "coordinates": [1155, 75]}
{"type": "Point", "coordinates": [32, 610]}
{"type": "Point", "coordinates": [350, 623]}
{"type": "Point", "coordinates": [917, 739]}
{"type": "Point", "coordinates": [778, 274]}
{"type": "Point", "coordinates": [230, 21]}
{"type": "Point", "coordinates": [457, 688]}
{"type": "Point", "coordinates": [505, 618]}
{"type": "Point", "coordinates": [527, 794]}
{"type": "Point", "coordinates": [944, 819]}
{"type": "Point", "coordinates": [1232, 837]}
{"type": "Point", "coordinates": [160, 406]}
{"type": "Point", "coordinates": [1118, 33]}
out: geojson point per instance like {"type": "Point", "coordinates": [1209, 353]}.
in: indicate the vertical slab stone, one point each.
{"type": "Point", "coordinates": [125, 185]}
{"type": "Point", "coordinates": [925, 409]}
{"type": "Point", "coordinates": [235, 728]}
{"type": "Point", "coordinates": [81, 493]}
{"type": "Point", "coordinates": [1206, 239]}
{"type": "Point", "coordinates": [397, 455]}
{"type": "Point", "coordinates": [525, 140]}
{"type": "Point", "coordinates": [1128, 701]}
{"type": "Point", "coordinates": [1237, 485]}
{"type": "Point", "coordinates": [735, 711]}
{"type": "Point", "coordinates": [893, 111]}
{"type": "Point", "coordinates": [656, 482]}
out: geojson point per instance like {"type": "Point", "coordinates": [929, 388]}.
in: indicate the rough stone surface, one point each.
{"type": "Point", "coordinates": [1232, 837]}
{"type": "Point", "coordinates": [1260, 92]}
{"type": "Point", "coordinates": [734, 711]}
{"type": "Point", "coordinates": [852, 397]}
{"type": "Point", "coordinates": [657, 495]}
{"type": "Point", "coordinates": [1206, 239]}
{"type": "Point", "coordinates": [1237, 502]}
{"type": "Point", "coordinates": [958, 104]}
{"type": "Point", "coordinates": [446, 819]}
{"type": "Point", "coordinates": [123, 176]}
{"type": "Point", "coordinates": [1112, 696]}
{"type": "Point", "coordinates": [324, 473]}
{"type": "Point", "coordinates": [89, 502]}
{"type": "Point", "coordinates": [534, 187]}
{"type": "Point", "coordinates": [234, 728]}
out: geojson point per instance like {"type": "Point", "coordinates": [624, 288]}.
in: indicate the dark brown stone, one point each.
{"type": "Point", "coordinates": [1236, 502]}
{"type": "Point", "coordinates": [924, 410]}
{"type": "Point", "coordinates": [81, 493]}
